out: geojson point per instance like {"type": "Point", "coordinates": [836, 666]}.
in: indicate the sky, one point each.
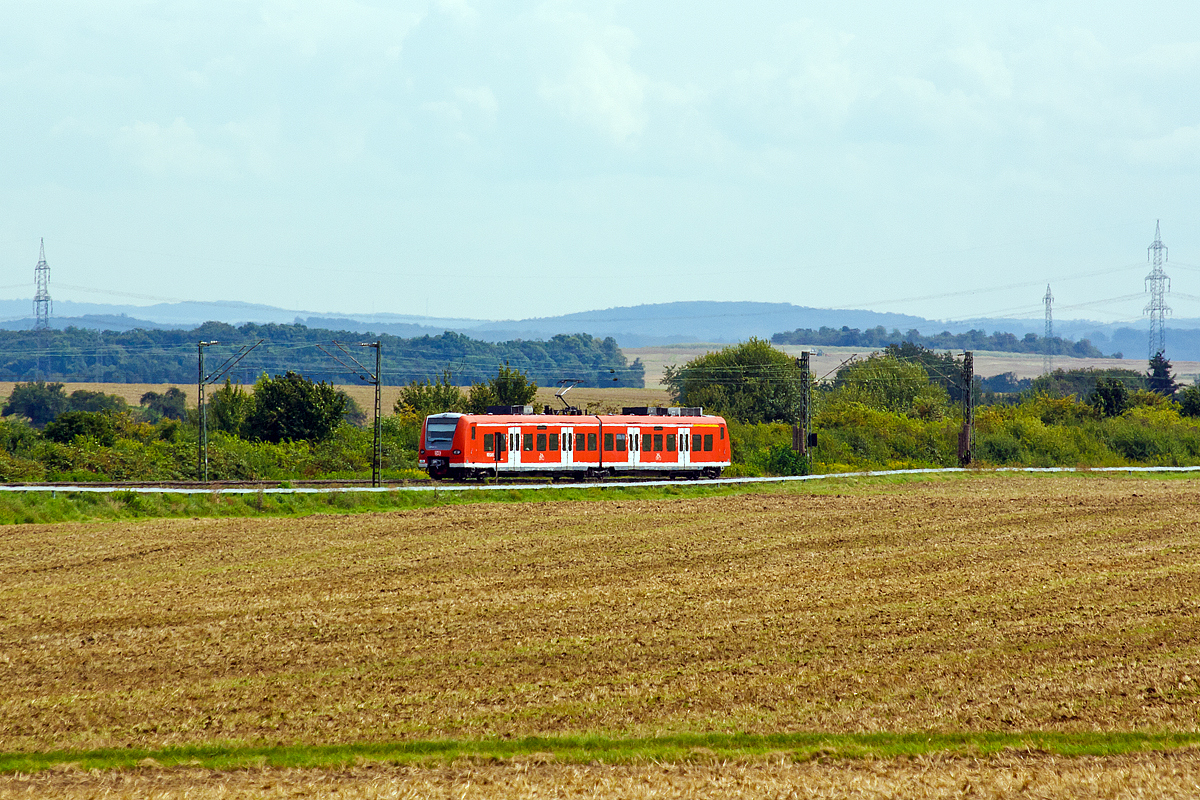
{"type": "Point", "coordinates": [466, 158]}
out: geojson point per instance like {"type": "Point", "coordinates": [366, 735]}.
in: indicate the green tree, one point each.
{"type": "Point", "coordinates": [227, 408]}
{"type": "Point", "coordinates": [887, 383]}
{"type": "Point", "coordinates": [425, 397]}
{"type": "Point", "coordinates": [291, 407]}
{"type": "Point", "coordinates": [1081, 382]}
{"type": "Point", "coordinates": [352, 413]}
{"type": "Point", "coordinates": [40, 402]}
{"type": "Point", "coordinates": [1110, 397]}
{"type": "Point", "coordinates": [510, 387]}
{"type": "Point", "coordinates": [1189, 401]}
{"type": "Point", "coordinates": [751, 382]}
{"type": "Point", "coordinates": [1159, 378]}
{"type": "Point", "coordinates": [943, 369]}
{"type": "Point", "coordinates": [171, 404]}
{"type": "Point", "coordinates": [96, 425]}
{"type": "Point", "coordinates": [84, 400]}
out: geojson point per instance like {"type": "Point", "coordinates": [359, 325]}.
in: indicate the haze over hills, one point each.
{"type": "Point", "coordinates": [631, 326]}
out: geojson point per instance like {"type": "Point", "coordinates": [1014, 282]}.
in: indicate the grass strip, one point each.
{"type": "Point", "coordinates": [665, 749]}
{"type": "Point", "coordinates": [67, 506]}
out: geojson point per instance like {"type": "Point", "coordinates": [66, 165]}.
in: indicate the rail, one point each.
{"type": "Point", "coordinates": [325, 487]}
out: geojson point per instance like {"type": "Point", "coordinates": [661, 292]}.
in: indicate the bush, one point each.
{"type": "Point", "coordinates": [783, 460]}
{"type": "Point", "coordinates": [887, 383]}
{"type": "Point", "coordinates": [1110, 398]}
{"type": "Point", "coordinates": [84, 400]}
{"type": "Point", "coordinates": [1189, 401]}
{"type": "Point", "coordinates": [171, 404]}
{"type": "Point", "coordinates": [85, 424]}
{"type": "Point", "coordinates": [291, 407]}
{"type": "Point", "coordinates": [39, 402]}
{"type": "Point", "coordinates": [510, 387]}
{"type": "Point", "coordinates": [227, 408]}
{"type": "Point", "coordinates": [430, 397]}
{"type": "Point", "coordinates": [750, 382]}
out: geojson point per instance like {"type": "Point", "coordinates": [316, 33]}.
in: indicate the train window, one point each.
{"type": "Point", "coordinates": [608, 441]}
{"type": "Point", "coordinates": [527, 444]}
{"type": "Point", "coordinates": [620, 443]}
{"type": "Point", "coordinates": [472, 433]}
{"type": "Point", "coordinates": [723, 430]}
{"type": "Point", "coordinates": [708, 442]}
{"type": "Point", "coordinates": [554, 442]}
{"type": "Point", "coordinates": [658, 441]}
{"type": "Point", "coordinates": [696, 442]}
{"type": "Point", "coordinates": [541, 442]}
{"type": "Point", "coordinates": [489, 441]}
{"type": "Point", "coordinates": [439, 433]}
{"type": "Point", "coordinates": [633, 441]}
{"type": "Point", "coordinates": [581, 441]}
{"type": "Point", "coordinates": [670, 443]}
{"type": "Point", "coordinates": [591, 441]}
{"type": "Point", "coordinates": [500, 442]}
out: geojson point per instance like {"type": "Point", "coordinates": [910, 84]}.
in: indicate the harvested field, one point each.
{"type": "Point", "coordinates": [1008, 603]}
{"type": "Point", "coordinates": [1166, 775]}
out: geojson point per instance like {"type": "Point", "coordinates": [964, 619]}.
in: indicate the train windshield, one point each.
{"type": "Point", "coordinates": [439, 433]}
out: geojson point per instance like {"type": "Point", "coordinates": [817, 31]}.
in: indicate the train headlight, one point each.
{"type": "Point", "coordinates": [457, 452]}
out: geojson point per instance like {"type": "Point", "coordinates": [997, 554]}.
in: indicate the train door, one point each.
{"type": "Point", "coordinates": [685, 446]}
{"type": "Point", "coordinates": [495, 447]}
{"type": "Point", "coordinates": [568, 447]}
{"type": "Point", "coordinates": [634, 446]}
{"type": "Point", "coordinates": [514, 447]}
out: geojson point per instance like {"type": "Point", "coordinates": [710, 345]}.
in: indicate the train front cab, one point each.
{"type": "Point", "coordinates": [440, 451]}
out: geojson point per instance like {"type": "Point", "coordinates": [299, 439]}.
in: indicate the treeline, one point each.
{"type": "Point", "coordinates": [879, 337]}
{"type": "Point", "coordinates": [287, 427]}
{"type": "Point", "coordinates": [901, 408]}
{"type": "Point", "coordinates": [170, 356]}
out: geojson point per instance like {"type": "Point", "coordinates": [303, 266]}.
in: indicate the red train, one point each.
{"type": "Point", "coordinates": [660, 442]}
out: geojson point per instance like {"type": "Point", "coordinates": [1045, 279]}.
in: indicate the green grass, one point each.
{"type": "Point", "coordinates": [18, 507]}
{"type": "Point", "coordinates": [678, 748]}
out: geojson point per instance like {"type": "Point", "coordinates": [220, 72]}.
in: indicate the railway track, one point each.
{"type": "Point", "coordinates": [323, 487]}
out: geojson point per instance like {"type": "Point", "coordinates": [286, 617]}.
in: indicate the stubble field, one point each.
{"type": "Point", "coordinates": [976, 603]}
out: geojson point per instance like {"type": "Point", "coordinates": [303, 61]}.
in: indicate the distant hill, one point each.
{"type": "Point", "coordinates": [631, 326]}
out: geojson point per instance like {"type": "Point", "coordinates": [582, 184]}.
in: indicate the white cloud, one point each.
{"type": "Point", "coordinates": [481, 98]}
{"type": "Point", "coordinates": [987, 65]}
{"type": "Point", "coordinates": [461, 10]}
{"type": "Point", "coordinates": [223, 152]}
{"type": "Point", "coordinates": [172, 150]}
{"type": "Point", "coordinates": [597, 85]}
{"type": "Point", "coordinates": [314, 26]}
{"type": "Point", "coordinates": [1180, 146]}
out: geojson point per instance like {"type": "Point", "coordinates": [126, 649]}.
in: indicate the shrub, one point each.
{"type": "Point", "coordinates": [430, 397]}
{"type": "Point", "coordinates": [85, 424]}
{"type": "Point", "coordinates": [1110, 397]}
{"type": "Point", "coordinates": [171, 404]}
{"type": "Point", "coordinates": [887, 383]}
{"type": "Point", "coordinates": [750, 382]}
{"type": "Point", "coordinates": [39, 402]}
{"type": "Point", "coordinates": [291, 407]}
{"type": "Point", "coordinates": [1189, 401]}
